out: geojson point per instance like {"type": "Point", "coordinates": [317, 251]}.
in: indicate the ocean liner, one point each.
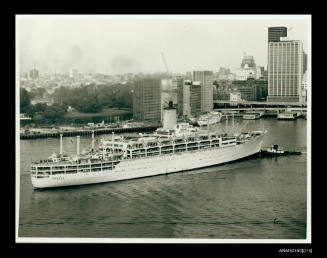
{"type": "Point", "coordinates": [173, 148]}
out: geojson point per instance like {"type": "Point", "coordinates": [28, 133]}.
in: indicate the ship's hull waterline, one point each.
{"type": "Point", "coordinates": [158, 165]}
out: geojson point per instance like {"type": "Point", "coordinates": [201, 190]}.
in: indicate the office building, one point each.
{"type": "Point", "coordinates": [285, 70]}
{"type": "Point", "coordinates": [251, 89]}
{"type": "Point", "coordinates": [205, 78]}
{"type": "Point", "coordinates": [147, 99]}
{"type": "Point", "coordinates": [183, 97]}
{"type": "Point", "coordinates": [261, 88]}
{"type": "Point", "coordinates": [275, 33]}
{"type": "Point", "coordinates": [195, 98]}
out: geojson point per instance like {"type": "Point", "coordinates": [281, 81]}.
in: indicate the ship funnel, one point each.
{"type": "Point", "coordinates": [78, 138]}
{"type": "Point", "coordinates": [169, 116]}
{"type": "Point", "coordinates": [61, 148]}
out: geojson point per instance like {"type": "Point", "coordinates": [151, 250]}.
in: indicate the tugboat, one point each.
{"type": "Point", "coordinates": [275, 150]}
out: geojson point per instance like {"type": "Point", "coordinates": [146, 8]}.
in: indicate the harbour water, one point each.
{"type": "Point", "coordinates": [237, 200]}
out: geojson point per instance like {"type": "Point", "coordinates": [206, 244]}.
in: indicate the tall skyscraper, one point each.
{"type": "Point", "coordinates": [180, 95]}
{"type": "Point", "coordinates": [183, 97]}
{"type": "Point", "coordinates": [195, 98]}
{"type": "Point", "coordinates": [285, 70]}
{"type": "Point", "coordinates": [206, 79]}
{"type": "Point", "coordinates": [147, 99]}
{"type": "Point", "coordinates": [275, 33]}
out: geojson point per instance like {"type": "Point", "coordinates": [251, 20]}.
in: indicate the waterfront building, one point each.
{"type": "Point", "coordinates": [275, 33]}
{"type": "Point", "coordinates": [251, 89]}
{"type": "Point", "coordinates": [222, 95]}
{"type": "Point", "coordinates": [195, 98]}
{"type": "Point", "coordinates": [205, 78]}
{"type": "Point", "coordinates": [248, 93]}
{"type": "Point", "coordinates": [235, 96]}
{"type": "Point", "coordinates": [183, 97]}
{"type": "Point", "coordinates": [285, 70]}
{"type": "Point", "coordinates": [147, 99]}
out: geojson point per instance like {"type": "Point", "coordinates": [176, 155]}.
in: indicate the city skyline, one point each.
{"type": "Point", "coordinates": [120, 44]}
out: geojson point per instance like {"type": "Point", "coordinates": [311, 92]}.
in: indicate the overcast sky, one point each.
{"type": "Point", "coordinates": [122, 44]}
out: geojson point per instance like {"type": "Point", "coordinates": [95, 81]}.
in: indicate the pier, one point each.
{"type": "Point", "coordinates": [269, 108]}
{"type": "Point", "coordinates": [88, 132]}
{"type": "Point", "coordinates": [266, 109]}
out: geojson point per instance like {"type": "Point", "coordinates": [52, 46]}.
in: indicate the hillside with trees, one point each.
{"type": "Point", "coordinates": [90, 99]}
{"type": "Point", "coordinates": [93, 98]}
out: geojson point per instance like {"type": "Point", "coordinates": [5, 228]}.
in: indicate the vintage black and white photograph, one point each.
{"type": "Point", "coordinates": [163, 128]}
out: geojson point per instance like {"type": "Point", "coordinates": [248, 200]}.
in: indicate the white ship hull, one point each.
{"type": "Point", "coordinates": [211, 122]}
{"type": "Point", "coordinates": [158, 165]}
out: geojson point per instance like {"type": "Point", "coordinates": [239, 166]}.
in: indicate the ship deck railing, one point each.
{"type": "Point", "coordinates": [72, 167]}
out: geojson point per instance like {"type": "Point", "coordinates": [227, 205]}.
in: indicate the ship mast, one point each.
{"type": "Point", "coordinates": [92, 140]}
{"type": "Point", "coordinates": [61, 147]}
{"type": "Point", "coordinates": [78, 139]}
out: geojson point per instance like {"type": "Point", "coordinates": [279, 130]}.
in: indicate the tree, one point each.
{"type": "Point", "coordinates": [54, 112]}
{"type": "Point", "coordinates": [37, 93]}
{"type": "Point", "coordinates": [25, 100]}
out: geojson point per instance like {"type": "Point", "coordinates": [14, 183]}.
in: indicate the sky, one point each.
{"type": "Point", "coordinates": [117, 44]}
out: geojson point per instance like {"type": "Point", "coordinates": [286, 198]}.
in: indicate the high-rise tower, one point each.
{"type": "Point", "coordinates": [206, 79]}
{"type": "Point", "coordinates": [285, 70]}
{"type": "Point", "coordinates": [147, 99]}
{"type": "Point", "coordinates": [275, 33]}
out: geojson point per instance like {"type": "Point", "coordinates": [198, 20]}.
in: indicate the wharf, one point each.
{"type": "Point", "coordinates": [87, 132]}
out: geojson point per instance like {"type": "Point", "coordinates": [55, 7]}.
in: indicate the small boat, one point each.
{"type": "Point", "coordinates": [275, 150]}
{"type": "Point", "coordinates": [272, 151]}
{"type": "Point", "coordinates": [210, 118]}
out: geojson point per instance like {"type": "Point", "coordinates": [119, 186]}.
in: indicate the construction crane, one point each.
{"type": "Point", "coordinates": [165, 63]}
